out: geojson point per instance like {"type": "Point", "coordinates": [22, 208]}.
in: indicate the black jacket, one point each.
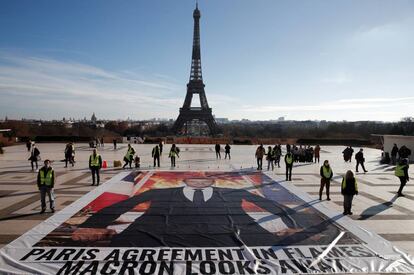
{"type": "Point", "coordinates": [359, 156]}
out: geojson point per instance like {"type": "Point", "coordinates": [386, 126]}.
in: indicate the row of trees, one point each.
{"type": "Point", "coordinates": [290, 129]}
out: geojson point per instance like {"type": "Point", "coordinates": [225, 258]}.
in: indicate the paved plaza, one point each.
{"type": "Point", "coordinates": [376, 208]}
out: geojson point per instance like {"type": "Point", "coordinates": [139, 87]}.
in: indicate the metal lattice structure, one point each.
{"type": "Point", "coordinates": [195, 86]}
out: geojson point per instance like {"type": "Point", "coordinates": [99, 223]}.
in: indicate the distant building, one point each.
{"type": "Point", "coordinates": [282, 118]}
{"type": "Point", "coordinates": [93, 118]}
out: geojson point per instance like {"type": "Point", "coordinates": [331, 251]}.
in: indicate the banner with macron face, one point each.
{"type": "Point", "coordinates": [200, 222]}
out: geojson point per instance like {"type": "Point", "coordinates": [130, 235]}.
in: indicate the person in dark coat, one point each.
{"type": "Point", "coordinates": [401, 171]}
{"type": "Point", "coordinates": [160, 145]}
{"type": "Point", "coordinates": [260, 153]}
{"type": "Point", "coordinates": [227, 151]}
{"type": "Point", "coordinates": [156, 155]}
{"type": "Point", "coordinates": [218, 148]}
{"type": "Point", "coordinates": [28, 145]}
{"type": "Point", "coordinates": [34, 156]}
{"type": "Point", "coordinates": [326, 176]}
{"type": "Point", "coordinates": [68, 155]}
{"type": "Point", "coordinates": [197, 215]}
{"type": "Point", "coordinates": [359, 157]}
{"type": "Point", "coordinates": [394, 153]}
{"type": "Point", "coordinates": [95, 165]}
{"type": "Point", "coordinates": [349, 188]}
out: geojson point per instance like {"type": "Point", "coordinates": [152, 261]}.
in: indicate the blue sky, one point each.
{"type": "Point", "coordinates": [262, 59]}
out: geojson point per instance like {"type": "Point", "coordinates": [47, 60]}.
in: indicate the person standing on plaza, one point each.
{"type": "Point", "coordinates": [129, 156]}
{"type": "Point", "coordinates": [270, 158]}
{"type": "Point", "coordinates": [34, 156]}
{"type": "Point", "coordinates": [46, 183]}
{"type": "Point", "coordinates": [102, 142]}
{"type": "Point", "coordinates": [349, 188]}
{"type": "Point", "coordinates": [68, 155]}
{"type": "Point", "coordinates": [289, 165]}
{"type": "Point", "coordinates": [218, 149]}
{"type": "Point", "coordinates": [160, 145]}
{"type": "Point", "coordinates": [317, 152]}
{"type": "Point", "coordinates": [277, 152]}
{"type": "Point", "coordinates": [156, 155]}
{"type": "Point", "coordinates": [260, 152]}
{"type": "Point", "coordinates": [227, 151]}
{"type": "Point", "coordinates": [28, 145]}
{"type": "Point", "coordinates": [114, 142]}
{"type": "Point", "coordinates": [401, 171]}
{"type": "Point", "coordinates": [326, 176]}
{"type": "Point", "coordinates": [394, 153]}
{"type": "Point", "coordinates": [95, 165]}
{"type": "Point", "coordinates": [174, 153]}
{"type": "Point", "coordinates": [359, 157]}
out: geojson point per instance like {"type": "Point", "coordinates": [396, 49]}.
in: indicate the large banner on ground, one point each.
{"type": "Point", "coordinates": [200, 222]}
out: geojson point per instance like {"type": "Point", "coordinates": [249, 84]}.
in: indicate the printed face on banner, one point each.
{"type": "Point", "coordinates": [198, 209]}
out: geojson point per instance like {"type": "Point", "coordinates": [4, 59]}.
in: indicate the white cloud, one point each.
{"type": "Point", "coordinates": [41, 80]}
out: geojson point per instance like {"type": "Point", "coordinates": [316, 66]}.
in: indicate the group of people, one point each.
{"type": "Point", "coordinates": [227, 148]}
{"type": "Point", "coordinates": [156, 153]}
{"type": "Point", "coordinates": [305, 153]}
{"type": "Point", "coordinates": [349, 186]}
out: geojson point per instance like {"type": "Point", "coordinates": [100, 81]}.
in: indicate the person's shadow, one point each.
{"type": "Point", "coordinates": [377, 209]}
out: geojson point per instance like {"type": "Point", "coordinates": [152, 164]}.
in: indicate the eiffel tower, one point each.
{"type": "Point", "coordinates": [195, 86]}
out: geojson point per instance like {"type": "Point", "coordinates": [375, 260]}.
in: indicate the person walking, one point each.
{"type": "Point", "coordinates": [260, 152]}
{"type": "Point", "coordinates": [227, 151]}
{"type": "Point", "coordinates": [102, 142]}
{"type": "Point", "coordinates": [394, 153]}
{"type": "Point", "coordinates": [359, 157]}
{"type": "Point", "coordinates": [349, 188]}
{"type": "Point", "coordinates": [129, 156]}
{"type": "Point", "coordinates": [28, 145]}
{"type": "Point", "coordinates": [270, 158]}
{"type": "Point", "coordinates": [95, 165]}
{"type": "Point", "coordinates": [326, 176]}
{"type": "Point", "coordinates": [289, 165]}
{"type": "Point", "coordinates": [34, 156]}
{"type": "Point", "coordinates": [46, 183]}
{"type": "Point", "coordinates": [317, 151]}
{"type": "Point", "coordinates": [401, 171]}
{"type": "Point", "coordinates": [277, 152]}
{"type": "Point", "coordinates": [114, 142]}
{"type": "Point", "coordinates": [218, 148]}
{"type": "Point", "coordinates": [156, 155]}
{"type": "Point", "coordinates": [68, 155]}
{"type": "Point", "coordinates": [174, 152]}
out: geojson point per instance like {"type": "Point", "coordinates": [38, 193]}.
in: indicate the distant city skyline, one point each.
{"type": "Point", "coordinates": [261, 60]}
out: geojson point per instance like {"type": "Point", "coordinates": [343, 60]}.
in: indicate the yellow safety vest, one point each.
{"type": "Point", "coordinates": [344, 184]}
{"type": "Point", "coordinates": [289, 159]}
{"type": "Point", "coordinates": [46, 179]}
{"type": "Point", "coordinates": [399, 170]}
{"type": "Point", "coordinates": [95, 160]}
{"type": "Point", "coordinates": [129, 153]}
{"type": "Point", "coordinates": [326, 171]}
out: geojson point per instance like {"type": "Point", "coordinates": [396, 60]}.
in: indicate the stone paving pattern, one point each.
{"type": "Point", "coordinates": [376, 208]}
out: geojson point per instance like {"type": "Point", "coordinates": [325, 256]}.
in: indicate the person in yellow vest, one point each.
{"type": "Point", "coordinates": [401, 171]}
{"type": "Point", "coordinates": [349, 188]}
{"type": "Point", "coordinates": [129, 156]}
{"type": "Point", "coordinates": [95, 165]}
{"type": "Point", "coordinates": [289, 165]}
{"type": "Point", "coordinates": [45, 183]}
{"type": "Point", "coordinates": [174, 152]}
{"type": "Point", "coordinates": [326, 176]}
